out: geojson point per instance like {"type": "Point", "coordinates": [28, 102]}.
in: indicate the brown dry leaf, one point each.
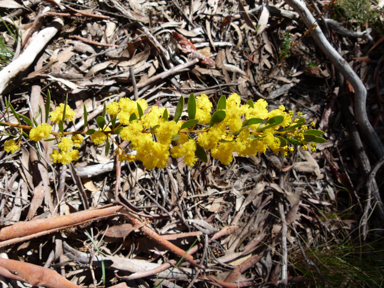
{"type": "Point", "coordinates": [245, 16]}
{"type": "Point", "coordinates": [139, 57]}
{"type": "Point", "coordinates": [88, 184]}
{"type": "Point", "coordinates": [37, 200]}
{"type": "Point", "coordinates": [120, 231]}
{"type": "Point", "coordinates": [234, 69]}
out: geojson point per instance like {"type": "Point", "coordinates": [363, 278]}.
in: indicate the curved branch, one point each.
{"type": "Point", "coordinates": [343, 66]}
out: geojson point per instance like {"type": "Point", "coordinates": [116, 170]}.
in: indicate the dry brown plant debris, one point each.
{"type": "Point", "coordinates": [259, 221]}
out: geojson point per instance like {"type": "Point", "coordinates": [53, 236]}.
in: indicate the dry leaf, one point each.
{"type": "Point", "coordinates": [263, 20]}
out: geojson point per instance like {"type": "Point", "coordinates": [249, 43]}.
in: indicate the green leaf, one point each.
{"type": "Point", "coordinates": [283, 141]}
{"type": "Point", "coordinates": [297, 124]}
{"type": "Point", "coordinates": [104, 110]}
{"type": "Point", "coordinates": [61, 127]}
{"type": "Point", "coordinates": [217, 117]}
{"type": "Point", "coordinates": [100, 121]}
{"type": "Point", "coordinates": [107, 147]}
{"type": "Point", "coordinates": [166, 114]}
{"type": "Point", "coordinates": [309, 138]}
{"type": "Point", "coordinates": [132, 117]}
{"type": "Point", "coordinates": [252, 121]}
{"type": "Point", "coordinates": [176, 137]}
{"type": "Point", "coordinates": [113, 121]}
{"type": "Point", "coordinates": [118, 130]}
{"type": "Point", "coordinates": [319, 140]}
{"type": "Point", "coordinates": [272, 122]}
{"type": "Point", "coordinates": [140, 110]}
{"type": "Point", "coordinates": [14, 112]}
{"type": "Point", "coordinates": [49, 140]}
{"type": "Point", "coordinates": [85, 117]}
{"type": "Point", "coordinates": [188, 124]}
{"type": "Point", "coordinates": [154, 128]}
{"type": "Point", "coordinates": [226, 141]}
{"type": "Point", "coordinates": [47, 106]}
{"type": "Point", "coordinates": [222, 103]}
{"type": "Point", "coordinates": [201, 154]}
{"type": "Point", "coordinates": [65, 108]}
{"type": "Point", "coordinates": [37, 116]}
{"type": "Point", "coordinates": [250, 103]}
{"type": "Point", "coordinates": [26, 119]}
{"type": "Point", "coordinates": [314, 132]}
{"type": "Point", "coordinates": [253, 137]}
{"type": "Point", "coordinates": [179, 109]}
{"type": "Point", "coordinates": [293, 141]}
{"type": "Point", "coordinates": [192, 106]}
{"type": "Point", "coordinates": [90, 131]}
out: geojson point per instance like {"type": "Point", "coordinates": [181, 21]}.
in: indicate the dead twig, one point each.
{"type": "Point", "coordinates": [33, 274]}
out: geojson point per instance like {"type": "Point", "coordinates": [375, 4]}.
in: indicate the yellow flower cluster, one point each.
{"type": "Point", "coordinates": [66, 155]}
{"type": "Point", "coordinates": [246, 129]}
{"type": "Point", "coordinates": [57, 115]}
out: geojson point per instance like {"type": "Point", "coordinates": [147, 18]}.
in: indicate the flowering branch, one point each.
{"type": "Point", "coordinates": [246, 129]}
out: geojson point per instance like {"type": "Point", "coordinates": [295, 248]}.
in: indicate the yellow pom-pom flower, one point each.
{"type": "Point", "coordinates": [41, 131]}
{"type": "Point", "coordinates": [77, 140]}
{"type": "Point", "coordinates": [57, 115]}
{"type": "Point", "coordinates": [10, 146]}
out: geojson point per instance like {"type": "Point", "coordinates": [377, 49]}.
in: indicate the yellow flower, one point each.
{"type": "Point", "coordinates": [10, 146]}
{"type": "Point", "coordinates": [66, 144]}
{"type": "Point", "coordinates": [77, 140]}
{"type": "Point", "coordinates": [57, 115]}
{"type": "Point", "coordinates": [203, 109]}
{"type": "Point", "coordinates": [152, 118]}
{"type": "Point", "coordinates": [98, 137]}
{"type": "Point", "coordinates": [41, 131]}
{"type": "Point", "coordinates": [113, 108]}
{"type": "Point", "coordinates": [166, 131]}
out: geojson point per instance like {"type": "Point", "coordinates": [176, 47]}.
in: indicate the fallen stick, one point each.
{"type": "Point", "coordinates": [29, 55]}
{"type": "Point", "coordinates": [33, 274]}
{"type": "Point", "coordinates": [35, 226]}
{"type": "Point", "coordinates": [342, 65]}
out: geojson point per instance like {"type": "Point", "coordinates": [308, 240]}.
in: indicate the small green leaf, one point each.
{"type": "Point", "coordinates": [201, 154]}
{"type": "Point", "coordinates": [154, 128]}
{"type": "Point", "coordinates": [61, 127]}
{"type": "Point", "coordinates": [47, 106]}
{"type": "Point", "coordinates": [118, 130]}
{"type": "Point", "coordinates": [253, 137]}
{"type": "Point", "coordinates": [65, 108]}
{"type": "Point", "coordinates": [49, 140]}
{"type": "Point", "coordinates": [283, 141]}
{"type": "Point", "coordinates": [104, 110]}
{"type": "Point", "coordinates": [188, 124]}
{"type": "Point", "coordinates": [192, 106]}
{"type": "Point", "coordinates": [309, 138]}
{"type": "Point", "coordinates": [113, 121]}
{"type": "Point", "coordinates": [176, 137]}
{"type": "Point", "coordinates": [140, 110]}
{"type": "Point", "coordinates": [14, 112]}
{"type": "Point", "coordinates": [293, 141]}
{"type": "Point", "coordinates": [297, 124]}
{"type": "Point", "coordinates": [252, 121]}
{"type": "Point", "coordinates": [222, 105]}
{"type": "Point", "coordinates": [274, 121]}
{"type": "Point", "coordinates": [179, 109]}
{"type": "Point", "coordinates": [85, 117]}
{"type": "Point", "coordinates": [166, 114]}
{"type": "Point", "coordinates": [90, 131]}
{"type": "Point", "coordinates": [250, 103]}
{"type": "Point", "coordinates": [237, 132]}
{"type": "Point", "coordinates": [319, 140]}
{"type": "Point", "coordinates": [132, 117]}
{"type": "Point", "coordinates": [217, 117]}
{"type": "Point", "coordinates": [226, 141]}
{"type": "Point", "coordinates": [100, 121]}
{"type": "Point", "coordinates": [107, 147]}
{"type": "Point", "coordinates": [314, 132]}
{"type": "Point", "coordinates": [26, 119]}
